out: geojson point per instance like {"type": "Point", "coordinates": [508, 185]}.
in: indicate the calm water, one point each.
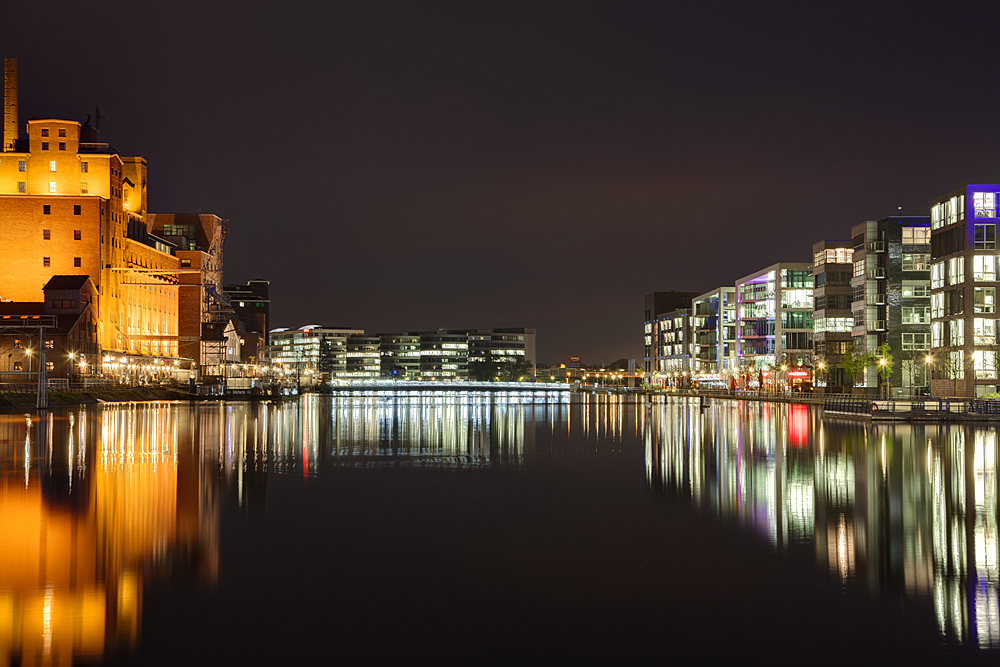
{"type": "Point", "coordinates": [490, 529]}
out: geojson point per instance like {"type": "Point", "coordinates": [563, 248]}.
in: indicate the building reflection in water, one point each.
{"type": "Point", "coordinates": [908, 510]}
{"type": "Point", "coordinates": [96, 501]}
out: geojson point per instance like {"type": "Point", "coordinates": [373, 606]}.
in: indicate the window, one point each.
{"type": "Point", "coordinates": [985, 300]}
{"type": "Point", "coordinates": [986, 236]}
{"type": "Point", "coordinates": [917, 288]}
{"type": "Point", "coordinates": [22, 165]}
{"type": "Point", "coordinates": [46, 209]}
{"type": "Point", "coordinates": [76, 235]}
{"type": "Point", "coordinates": [52, 165]}
{"type": "Point", "coordinates": [17, 345]}
{"type": "Point", "coordinates": [76, 262]}
{"type": "Point", "coordinates": [76, 209]}
{"type": "Point", "coordinates": [49, 344]}
{"type": "Point", "coordinates": [985, 331]}
{"type": "Point", "coordinates": [984, 205]}
{"type": "Point", "coordinates": [985, 364]}
{"type": "Point", "coordinates": [916, 315]}
{"type": "Point", "coordinates": [859, 268]}
{"type": "Point", "coordinates": [984, 268]}
{"type": "Point", "coordinates": [18, 366]}
{"type": "Point", "coordinates": [62, 133]}
{"type": "Point", "coordinates": [22, 187]}
{"type": "Point", "coordinates": [83, 167]}
{"type": "Point", "coordinates": [916, 341]}
{"type": "Point", "coordinates": [937, 275]}
{"type": "Point", "coordinates": [46, 234]}
{"type": "Point", "coordinates": [84, 189]}
{"type": "Point", "coordinates": [45, 131]}
{"type": "Point", "coordinates": [45, 145]}
{"type": "Point", "coordinates": [956, 270]}
{"type": "Point", "coordinates": [937, 305]}
{"type": "Point", "coordinates": [62, 145]}
{"type": "Point", "coordinates": [956, 333]}
{"type": "Point", "coordinates": [915, 235]}
{"type": "Point", "coordinates": [52, 187]}
{"type": "Point", "coordinates": [185, 263]}
{"type": "Point", "coordinates": [937, 339]}
{"type": "Point", "coordinates": [915, 262]}
{"type": "Point", "coordinates": [50, 365]}
{"type": "Point", "coordinates": [46, 261]}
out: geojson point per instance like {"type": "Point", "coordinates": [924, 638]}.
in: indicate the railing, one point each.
{"type": "Point", "coordinates": [910, 407]}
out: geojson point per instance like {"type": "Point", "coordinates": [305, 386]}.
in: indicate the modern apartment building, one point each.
{"type": "Point", "coordinates": [832, 318]}
{"type": "Point", "coordinates": [516, 343]}
{"type": "Point", "coordinates": [361, 357]}
{"type": "Point", "coordinates": [963, 256]}
{"type": "Point", "coordinates": [891, 301]}
{"type": "Point", "coordinates": [774, 316]}
{"type": "Point", "coordinates": [673, 348]}
{"type": "Point", "coordinates": [658, 304]}
{"type": "Point", "coordinates": [444, 355]}
{"type": "Point", "coordinates": [713, 330]}
{"type": "Point", "coordinates": [399, 355]}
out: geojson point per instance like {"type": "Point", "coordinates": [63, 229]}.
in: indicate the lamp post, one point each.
{"type": "Point", "coordinates": [929, 361]}
{"type": "Point", "coordinates": [72, 358]}
{"type": "Point", "coordinates": [881, 375]}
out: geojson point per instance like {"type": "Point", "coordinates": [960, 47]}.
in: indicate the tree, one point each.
{"type": "Point", "coordinates": [885, 363]}
{"type": "Point", "coordinates": [856, 360]}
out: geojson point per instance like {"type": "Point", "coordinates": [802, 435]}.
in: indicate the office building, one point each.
{"type": "Point", "coordinates": [361, 357]}
{"type": "Point", "coordinates": [963, 256]}
{"type": "Point", "coordinates": [399, 355]}
{"type": "Point", "coordinates": [310, 354]}
{"type": "Point", "coordinates": [833, 321]}
{"type": "Point", "coordinates": [672, 348]}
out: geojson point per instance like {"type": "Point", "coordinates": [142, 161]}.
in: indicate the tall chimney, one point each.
{"type": "Point", "coordinates": [9, 103]}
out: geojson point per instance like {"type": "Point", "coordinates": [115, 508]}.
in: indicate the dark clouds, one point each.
{"type": "Point", "coordinates": [414, 165]}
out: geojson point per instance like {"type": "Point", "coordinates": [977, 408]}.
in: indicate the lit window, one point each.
{"type": "Point", "coordinates": [50, 344]}
{"type": "Point", "coordinates": [984, 204]}
{"type": "Point", "coordinates": [984, 268]}
{"type": "Point", "coordinates": [22, 165]}
{"type": "Point", "coordinates": [50, 365]}
{"type": "Point", "coordinates": [52, 165]}
{"type": "Point", "coordinates": [22, 187]}
{"type": "Point", "coordinates": [915, 262]}
{"type": "Point", "coordinates": [18, 366]}
{"type": "Point", "coordinates": [18, 345]}
{"type": "Point", "coordinates": [83, 167]}
{"type": "Point", "coordinates": [84, 189]}
{"type": "Point", "coordinates": [52, 187]}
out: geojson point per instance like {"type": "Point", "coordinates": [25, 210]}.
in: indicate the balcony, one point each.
{"type": "Point", "coordinates": [876, 246]}
{"type": "Point", "coordinates": [876, 325]}
{"type": "Point", "coordinates": [875, 299]}
{"type": "Point", "coordinates": [877, 273]}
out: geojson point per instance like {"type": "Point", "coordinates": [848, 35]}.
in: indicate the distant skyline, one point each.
{"type": "Point", "coordinates": [406, 166]}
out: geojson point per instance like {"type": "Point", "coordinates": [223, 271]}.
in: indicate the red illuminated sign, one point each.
{"type": "Point", "coordinates": [798, 374]}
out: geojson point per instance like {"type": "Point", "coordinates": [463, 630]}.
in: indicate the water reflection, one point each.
{"type": "Point", "coordinates": [96, 502]}
{"type": "Point", "coordinates": [908, 509]}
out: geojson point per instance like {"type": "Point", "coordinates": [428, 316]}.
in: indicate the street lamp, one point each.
{"type": "Point", "coordinates": [72, 357]}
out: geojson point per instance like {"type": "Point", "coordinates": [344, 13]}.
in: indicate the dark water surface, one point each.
{"type": "Point", "coordinates": [493, 529]}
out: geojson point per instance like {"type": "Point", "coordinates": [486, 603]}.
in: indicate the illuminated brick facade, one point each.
{"type": "Point", "coordinates": [72, 206]}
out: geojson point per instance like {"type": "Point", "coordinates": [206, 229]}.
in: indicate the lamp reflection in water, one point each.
{"type": "Point", "coordinates": [883, 507]}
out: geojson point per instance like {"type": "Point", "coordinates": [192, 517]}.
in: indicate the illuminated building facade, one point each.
{"type": "Point", "coordinates": [713, 329]}
{"type": "Point", "coordinates": [512, 344]}
{"type": "Point", "coordinates": [963, 274]}
{"type": "Point", "coordinates": [891, 298]}
{"type": "Point", "coordinates": [444, 355]}
{"type": "Point", "coordinates": [400, 355]}
{"type": "Point", "coordinates": [310, 354]}
{"type": "Point", "coordinates": [657, 304]}
{"type": "Point", "coordinates": [832, 319]}
{"type": "Point", "coordinates": [672, 347]}
{"type": "Point", "coordinates": [361, 357]}
{"type": "Point", "coordinates": [774, 316]}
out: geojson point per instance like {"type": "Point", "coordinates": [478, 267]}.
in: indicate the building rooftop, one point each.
{"type": "Point", "coordinates": [66, 282]}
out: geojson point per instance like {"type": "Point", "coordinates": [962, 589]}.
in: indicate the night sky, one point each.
{"type": "Point", "coordinates": [412, 165]}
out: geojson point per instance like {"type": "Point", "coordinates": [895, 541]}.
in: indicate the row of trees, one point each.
{"type": "Point", "coordinates": [500, 369]}
{"type": "Point", "coordinates": [857, 360]}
